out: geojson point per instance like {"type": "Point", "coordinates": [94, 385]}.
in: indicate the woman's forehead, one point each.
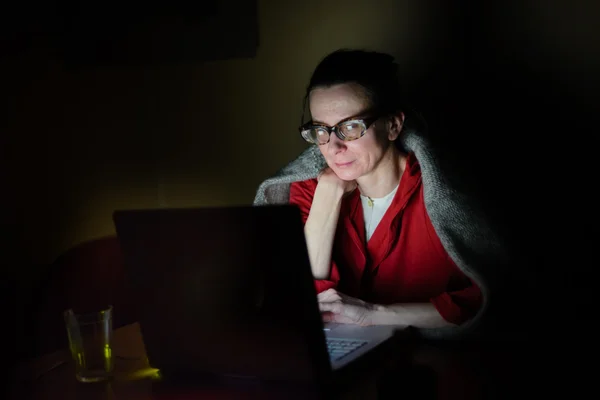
{"type": "Point", "coordinates": [334, 103]}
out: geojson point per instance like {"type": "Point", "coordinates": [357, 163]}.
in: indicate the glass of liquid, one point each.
{"type": "Point", "coordinates": [90, 342]}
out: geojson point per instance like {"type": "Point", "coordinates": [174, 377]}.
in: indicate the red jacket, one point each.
{"type": "Point", "coordinates": [404, 262]}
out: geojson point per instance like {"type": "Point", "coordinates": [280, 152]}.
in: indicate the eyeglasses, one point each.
{"type": "Point", "coordinates": [347, 130]}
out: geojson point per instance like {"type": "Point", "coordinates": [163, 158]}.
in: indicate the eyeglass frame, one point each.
{"type": "Point", "coordinates": [367, 121]}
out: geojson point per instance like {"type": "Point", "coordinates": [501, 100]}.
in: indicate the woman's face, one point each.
{"type": "Point", "coordinates": [354, 159]}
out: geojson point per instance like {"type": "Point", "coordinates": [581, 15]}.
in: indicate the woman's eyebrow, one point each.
{"type": "Point", "coordinates": [357, 116]}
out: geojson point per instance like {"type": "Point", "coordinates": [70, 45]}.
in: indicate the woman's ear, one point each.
{"type": "Point", "coordinates": [396, 122]}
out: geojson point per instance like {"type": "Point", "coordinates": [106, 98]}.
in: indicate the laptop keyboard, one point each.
{"type": "Point", "coordinates": [339, 348]}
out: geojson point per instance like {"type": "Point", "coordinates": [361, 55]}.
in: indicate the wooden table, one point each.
{"type": "Point", "coordinates": [464, 372]}
{"type": "Point", "coordinates": [53, 377]}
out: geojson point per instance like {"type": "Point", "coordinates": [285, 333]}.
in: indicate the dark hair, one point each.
{"type": "Point", "coordinates": [377, 73]}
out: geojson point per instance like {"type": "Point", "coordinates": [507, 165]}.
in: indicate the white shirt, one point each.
{"type": "Point", "coordinates": [374, 210]}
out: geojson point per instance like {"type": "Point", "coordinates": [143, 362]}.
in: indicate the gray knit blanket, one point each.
{"type": "Point", "coordinates": [460, 224]}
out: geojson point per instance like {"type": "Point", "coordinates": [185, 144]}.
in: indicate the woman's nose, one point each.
{"type": "Point", "coordinates": [336, 144]}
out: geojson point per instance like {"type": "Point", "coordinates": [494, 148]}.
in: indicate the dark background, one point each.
{"type": "Point", "coordinates": [123, 105]}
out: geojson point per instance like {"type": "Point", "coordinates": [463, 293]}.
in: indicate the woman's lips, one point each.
{"type": "Point", "coordinates": [344, 165]}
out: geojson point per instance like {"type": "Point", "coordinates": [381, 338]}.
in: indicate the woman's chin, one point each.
{"type": "Point", "coordinates": [347, 175]}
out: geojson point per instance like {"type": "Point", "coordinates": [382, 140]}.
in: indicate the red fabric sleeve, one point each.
{"type": "Point", "coordinates": [458, 306]}
{"type": "Point", "coordinates": [460, 302]}
{"type": "Point", "coordinates": [301, 195]}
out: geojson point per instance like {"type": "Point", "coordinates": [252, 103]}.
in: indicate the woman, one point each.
{"type": "Point", "coordinates": [389, 242]}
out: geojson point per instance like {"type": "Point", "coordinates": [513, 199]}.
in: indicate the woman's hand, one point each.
{"type": "Point", "coordinates": [337, 307]}
{"type": "Point", "coordinates": [328, 177]}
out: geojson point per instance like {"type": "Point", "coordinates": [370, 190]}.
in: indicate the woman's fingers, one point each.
{"type": "Point", "coordinates": [329, 295]}
{"type": "Point", "coordinates": [331, 307]}
{"type": "Point", "coordinates": [337, 318]}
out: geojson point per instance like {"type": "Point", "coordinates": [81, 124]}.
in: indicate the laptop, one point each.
{"type": "Point", "coordinates": [227, 292]}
